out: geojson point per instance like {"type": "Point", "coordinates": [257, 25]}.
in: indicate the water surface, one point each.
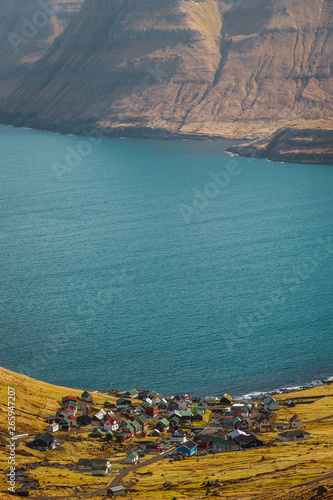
{"type": "Point", "coordinates": [124, 263]}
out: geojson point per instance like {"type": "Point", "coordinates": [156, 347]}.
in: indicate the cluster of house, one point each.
{"type": "Point", "coordinates": [121, 421]}
{"type": "Point", "coordinates": [240, 422]}
{"type": "Point", "coordinates": [63, 420]}
{"type": "Point", "coordinates": [66, 418]}
{"type": "Point", "coordinates": [156, 412]}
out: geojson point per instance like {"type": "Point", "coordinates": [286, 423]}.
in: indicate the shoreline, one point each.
{"type": "Point", "coordinates": [255, 394]}
{"type": "Point", "coordinates": [254, 146]}
{"type": "Point", "coordinates": [89, 129]}
{"type": "Point", "coordinates": [250, 396]}
{"type": "Point", "coordinates": [287, 390]}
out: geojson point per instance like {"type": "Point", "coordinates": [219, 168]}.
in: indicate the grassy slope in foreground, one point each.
{"type": "Point", "coordinates": [270, 472]}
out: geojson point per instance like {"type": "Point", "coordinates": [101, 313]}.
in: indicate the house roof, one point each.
{"type": "Point", "coordinates": [94, 462]}
{"type": "Point", "coordinates": [70, 406]}
{"type": "Point", "coordinates": [128, 425]}
{"type": "Point", "coordinates": [133, 456]}
{"type": "Point", "coordinates": [96, 430]}
{"type": "Point", "coordinates": [145, 404]}
{"type": "Point", "coordinates": [121, 401]}
{"type": "Point", "coordinates": [158, 395]}
{"type": "Point", "coordinates": [142, 418]}
{"type": "Point", "coordinates": [67, 398]}
{"type": "Point", "coordinates": [85, 418]}
{"type": "Point", "coordinates": [221, 443]}
{"type": "Point", "coordinates": [226, 396]}
{"type": "Point", "coordinates": [116, 489]}
{"type": "Point", "coordinates": [205, 438]}
{"type": "Point", "coordinates": [69, 402]}
{"type": "Point", "coordinates": [294, 417]}
{"type": "Point", "coordinates": [136, 424]}
{"type": "Point", "coordinates": [132, 392]}
{"type": "Point", "coordinates": [298, 433]}
{"type": "Point", "coordinates": [268, 401]}
{"type": "Point", "coordinates": [112, 421]}
{"type": "Point", "coordinates": [100, 414]}
{"type": "Point", "coordinates": [242, 440]}
{"type": "Point", "coordinates": [47, 437]}
{"type": "Point", "coordinates": [85, 394]}
{"type": "Point", "coordinates": [236, 433]}
{"type": "Point", "coordinates": [164, 421]}
{"type": "Point", "coordinates": [179, 433]}
{"type": "Point", "coordinates": [188, 444]}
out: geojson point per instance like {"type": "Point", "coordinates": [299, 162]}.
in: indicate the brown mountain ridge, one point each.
{"type": "Point", "coordinates": [175, 68]}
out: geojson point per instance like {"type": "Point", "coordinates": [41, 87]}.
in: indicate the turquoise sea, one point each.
{"type": "Point", "coordinates": [163, 264]}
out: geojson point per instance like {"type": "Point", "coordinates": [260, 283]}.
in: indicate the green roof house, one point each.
{"type": "Point", "coordinates": [131, 459]}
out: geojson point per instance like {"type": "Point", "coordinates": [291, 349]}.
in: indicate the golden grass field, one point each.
{"type": "Point", "coordinates": [275, 471]}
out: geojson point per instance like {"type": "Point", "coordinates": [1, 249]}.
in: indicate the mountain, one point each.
{"type": "Point", "coordinates": [232, 68]}
{"type": "Point", "coordinates": [27, 30]}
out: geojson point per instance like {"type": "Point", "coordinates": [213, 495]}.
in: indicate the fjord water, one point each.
{"type": "Point", "coordinates": [125, 265]}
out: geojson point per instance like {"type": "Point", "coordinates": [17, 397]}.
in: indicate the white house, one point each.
{"type": "Point", "coordinates": [178, 436]}
{"type": "Point", "coordinates": [98, 466]}
{"type": "Point", "coordinates": [52, 427]}
{"type": "Point", "coordinates": [111, 425]}
{"type": "Point", "coordinates": [99, 415]}
{"type": "Point", "coordinates": [295, 422]}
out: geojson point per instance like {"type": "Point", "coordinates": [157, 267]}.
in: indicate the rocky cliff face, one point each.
{"type": "Point", "coordinates": [27, 30]}
{"type": "Point", "coordinates": [293, 145]}
{"type": "Point", "coordinates": [230, 68]}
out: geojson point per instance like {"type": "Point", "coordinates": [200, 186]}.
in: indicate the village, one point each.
{"type": "Point", "coordinates": [147, 425]}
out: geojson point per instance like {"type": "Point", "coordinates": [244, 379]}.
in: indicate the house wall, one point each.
{"type": "Point", "coordinates": [296, 424]}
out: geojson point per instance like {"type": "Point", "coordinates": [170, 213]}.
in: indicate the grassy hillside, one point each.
{"type": "Point", "coordinates": [275, 471]}
{"type": "Point", "coordinates": [35, 401]}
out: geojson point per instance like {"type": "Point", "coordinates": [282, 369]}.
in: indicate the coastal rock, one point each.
{"type": "Point", "coordinates": [290, 145]}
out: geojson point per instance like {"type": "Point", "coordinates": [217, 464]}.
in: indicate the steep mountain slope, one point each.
{"type": "Point", "coordinates": [231, 68]}
{"type": "Point", "coordinates": [27, 30]}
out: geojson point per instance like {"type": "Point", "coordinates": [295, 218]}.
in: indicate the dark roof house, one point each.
{"type": "Point", "coordinates": [85, 396]}
{"type": "Point", "coordinates": [248, 441]}
{"type": "Point", "coordinates": [43, 442]}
